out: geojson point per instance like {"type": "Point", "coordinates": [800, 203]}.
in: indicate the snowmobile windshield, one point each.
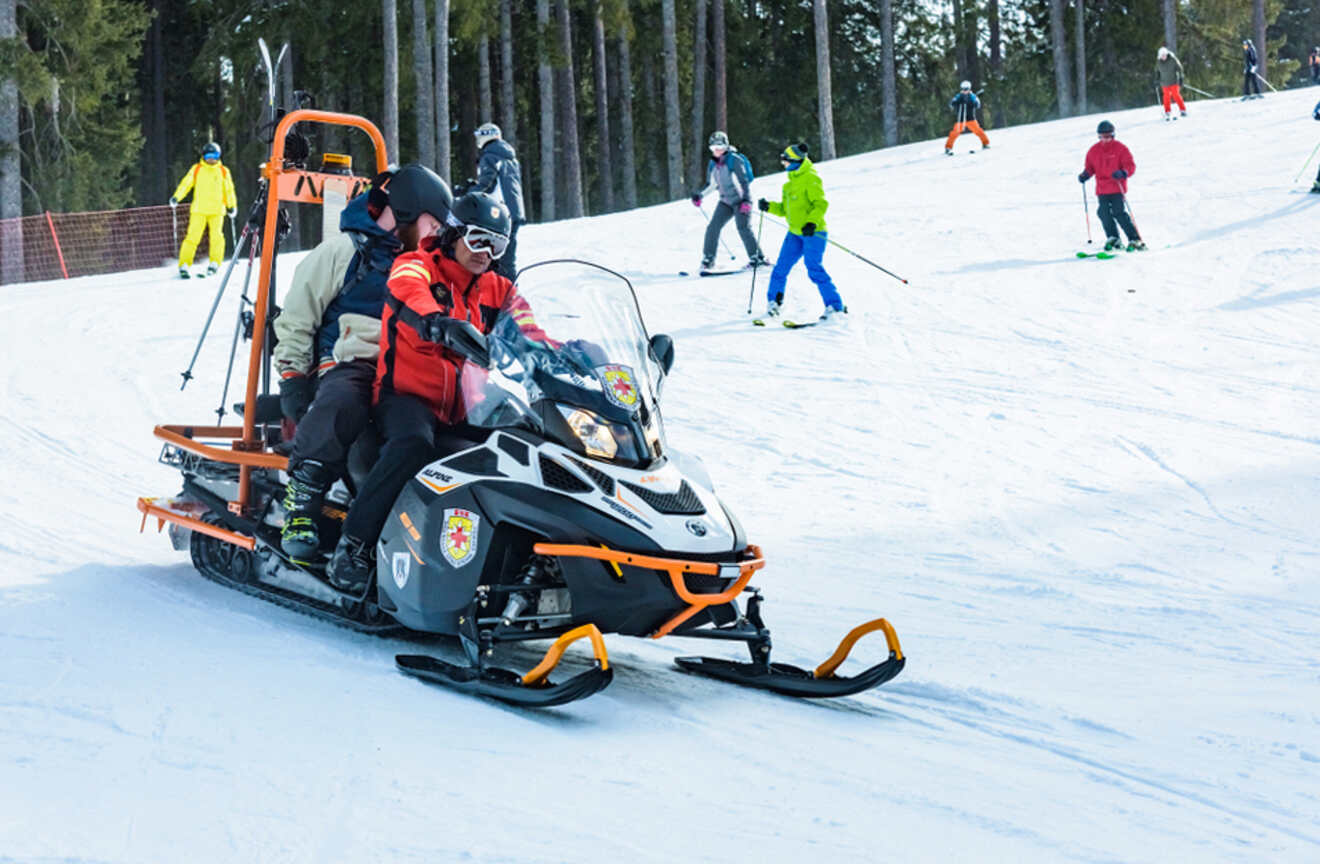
{"type": "Point", "coordinates": [571, 360]}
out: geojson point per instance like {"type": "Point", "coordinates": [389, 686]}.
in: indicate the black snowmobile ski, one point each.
{"type": "Point", "coordinates": [792, 680]}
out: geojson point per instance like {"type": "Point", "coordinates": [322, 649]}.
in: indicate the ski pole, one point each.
{"type": "Point", "coordinates": [224, 281]}
{"type": "Point", "coordinates": [174, 226]}
{"type": "Point", "coordinates": [1132, 215]}
{"type": "Point", "coordinates": [1202, 92]}
{"type": "Point", "coordinates": [233, 234]}
{"type": "Point", "coordinates": [760, 223]}
{"type": "Point", "coordinates": [1267, 84]}
{"type": "Point", "coordinates": [1086, 208]}
{"type": "Point", "coordinates": [833, 242]}
{"type": "Point", "coordinates": [722, 243]}
{"type": "Point", "coordinates": [1308, 162]}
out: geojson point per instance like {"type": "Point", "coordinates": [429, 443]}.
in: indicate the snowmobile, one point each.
{"type": "Point", "coordinates": [562, 516]}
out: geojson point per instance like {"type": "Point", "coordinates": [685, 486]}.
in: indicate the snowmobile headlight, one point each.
{"type": "Point", "coordinates": [594, 434]}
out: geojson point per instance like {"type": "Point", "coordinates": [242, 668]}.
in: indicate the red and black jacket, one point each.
{"type": "Point", "coordinates": [423, 283]}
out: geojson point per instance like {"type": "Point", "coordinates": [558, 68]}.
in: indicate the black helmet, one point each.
{"type": "Point", "coordinates": [479, 210]}
{"type": "Point", "coordinates": [1105, 128]}
{"type": "Point", "coordinates": [411, 191]}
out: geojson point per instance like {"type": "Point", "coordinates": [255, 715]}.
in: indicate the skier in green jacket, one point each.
{"type": "Point", "coordinates": [804, 206]}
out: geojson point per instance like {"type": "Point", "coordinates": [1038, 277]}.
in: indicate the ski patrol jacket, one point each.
{"type": "Point", "coordinates": [332, 311]}
{"type": "Point", "coordinates": [970, 100]}
{"type": "Point", "coordinates": [212, 187]}
{"type": "Point", "coordinates": [1169, 70]}
{"type": "Point", "coordinates": [499, 174]}
{"type": "Point", "coordinates": [803, 199]}
{"type": "Point", "coordinates": [732, 176]}
{"type": "Point", "coordinates": [1103, 159]}
{"type": "Point", "coordinates": [427, 282]}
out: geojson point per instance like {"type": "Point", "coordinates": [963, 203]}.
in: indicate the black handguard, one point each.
{"type": "Point", "coordinates": [458, 336]}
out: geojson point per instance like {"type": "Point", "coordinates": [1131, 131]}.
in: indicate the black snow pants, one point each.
{"type": "Point", "coordinates": [723, 213]}
{"type": "Point", "coordinates": [408, 426]}
{"type": "Point", "coordinates": [1250, 83]}
{"type": "Point", "coordinates": [337, 416]}
{"type": "Point", "coordinates": [1113, 215]}
{"type": "Point", "coordinates": [506, 265]}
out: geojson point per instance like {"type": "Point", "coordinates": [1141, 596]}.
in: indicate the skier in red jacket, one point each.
{"type": "Point", "coordinates": [432, 294]}
{"type": "Point", "coordinates": [1110, 163]}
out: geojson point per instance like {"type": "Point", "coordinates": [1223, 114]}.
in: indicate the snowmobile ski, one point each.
{"type": "Point", "coordinates": [533, 689]}
{"type": "Point", "coordinates": [818, 683]}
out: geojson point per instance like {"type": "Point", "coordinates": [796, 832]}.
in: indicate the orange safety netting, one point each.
{"type": "Point", "coordinates": [65, 245]}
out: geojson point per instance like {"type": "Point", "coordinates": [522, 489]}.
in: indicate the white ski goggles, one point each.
{"type": "Point", "coordinates": [478, 239]}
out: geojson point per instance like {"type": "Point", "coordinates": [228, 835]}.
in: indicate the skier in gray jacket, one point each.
{"type": "Point", "coordinates": [731, 174]}
{"type": "Point", "coordinates": [499, 174]}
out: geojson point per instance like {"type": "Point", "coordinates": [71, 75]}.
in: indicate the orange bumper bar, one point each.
{"type": "Point", "coordinates": [185, 514]}
{"type": "Point", "coordinates": [675, 567]}
{"type": "Point", "coordinates": [552, 657]}
{"type": "Point", "coordinates": [183, 437]}
{"type": "Point", "coordinates": [826, 669]}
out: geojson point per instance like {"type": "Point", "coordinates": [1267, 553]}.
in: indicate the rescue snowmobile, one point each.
{"type": "Point", "coordinates": [566, 516]}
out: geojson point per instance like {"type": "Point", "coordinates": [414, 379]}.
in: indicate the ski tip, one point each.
{"type": "Point", "coordinates": [684, 273]}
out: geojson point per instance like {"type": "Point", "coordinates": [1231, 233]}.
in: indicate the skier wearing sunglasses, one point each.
{"type": "Point", "coordinates": [431, 296]}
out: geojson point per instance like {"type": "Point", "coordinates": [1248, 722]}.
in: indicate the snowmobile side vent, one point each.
{"type": "Point", "coordinates": [480, 462]}
{"type": "Point", "coordinates": [603, 480]}
{"type": "Point", "coordinates": [515, 448]}
{"type": "Point", "coordinates": [684, 502]}
{"type": "Point", "coordinates": [556, 476]}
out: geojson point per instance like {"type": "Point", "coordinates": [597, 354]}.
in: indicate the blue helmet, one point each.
{"type": "Point", "coordinates": [211, 150]}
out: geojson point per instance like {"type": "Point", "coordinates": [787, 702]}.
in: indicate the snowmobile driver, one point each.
{"type": "Point", "coordinates": [330, 329]}
{"type": "Point", "coordinates": [434, 294]}
{"type": "Point", "coordinates": [731, 174]}
{"type": "Point", "coordinates": [212, 188]}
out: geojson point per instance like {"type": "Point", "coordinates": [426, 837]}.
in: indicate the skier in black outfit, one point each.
{"type": "Point", "coordinates": [499, 174]}
{"type": "Point", "coordinates": [1250, 81]}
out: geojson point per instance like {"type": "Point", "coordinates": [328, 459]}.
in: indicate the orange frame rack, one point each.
{"type": "Point", "coordinates": [246, 449]}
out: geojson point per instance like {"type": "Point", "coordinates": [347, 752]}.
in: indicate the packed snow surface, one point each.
{"type": "Point", "coordinates": [1085, 493]}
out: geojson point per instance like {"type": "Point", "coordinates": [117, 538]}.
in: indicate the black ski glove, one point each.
{"type": "Point", "coordinates": [1120, 174]}
{"type": "Point", "coordinates": [458, 335]}
{"type": "Point", "coordinates": [808, 228]}
{"type": "Point", "coordinates": [1083, 177]}
{"type": "Point", "coordinates": [296, 393]}
{"type": "Point", "coordinates": [762, 204]}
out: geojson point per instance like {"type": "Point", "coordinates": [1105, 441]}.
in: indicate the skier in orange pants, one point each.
{"type": "Point", "coordinates": [965, 103]}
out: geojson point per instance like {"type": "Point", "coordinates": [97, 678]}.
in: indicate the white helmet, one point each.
{"type": "Point", "coordinates": [1163, 52]}
{"type": "Point", "coordinates": [486, 132]}
{"type": "Point", "coordinates": [966, 85]}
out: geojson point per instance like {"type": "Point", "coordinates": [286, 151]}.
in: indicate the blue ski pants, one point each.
{"type": "Point", "coordinates": [811, 248]}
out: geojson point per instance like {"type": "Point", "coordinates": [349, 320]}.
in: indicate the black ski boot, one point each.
{"type": "Point", "coordinates": [1315, 188]}
{"type": "Point", "coordinates": [351, 565]}
{"type": "Point", "coordinates": [707, 262]}
{"type": "Point", "coordinates": [303, 497]}
{"type": "Point", "coordinates": [759, 261]}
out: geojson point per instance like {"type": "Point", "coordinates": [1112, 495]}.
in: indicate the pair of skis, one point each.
{"type": "Point", "coordinates": [790, 324]}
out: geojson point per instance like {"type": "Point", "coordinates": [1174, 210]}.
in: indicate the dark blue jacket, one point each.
{"type": "Point", "coordinates": [969, 100]}
{"type": "Point", "coordinates": [1248, 57]}
{"type": "Point", "coordinates": [363, 291]}
{"type": "Point", "coordinates": [499, 174]}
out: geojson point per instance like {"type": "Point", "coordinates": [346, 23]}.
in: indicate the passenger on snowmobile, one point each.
{"type": "Point", "coordinates": [330, 327]}
{"type": "Point", "coordinates": [442, 300]}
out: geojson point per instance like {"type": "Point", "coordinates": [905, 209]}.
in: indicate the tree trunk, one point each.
{"type": "Point", "coordinates": [1170, 10]}
{"type": "Point", "coordinates": [545, 79]}
{"type": "Point", "coordinates": [698, 93]}
{"type": "Point", "coordinates": [673, 126]}
{"type": "Point", "coordinates": [606, 163]}
{"type": "Point", "coordinates": [888, 81]}
{"type": "Point", "coordinates": [485, 100]}
{"type": "Point", "coordinates": [1059, 42]}
{"type": "Point", "coordinates": [11, 186]}
{"type": "Point", "coordinates": [971, 26]}
{"type": "Point", "coordinates": [574, 205]}
{"type": "Point", "coordinates": [1079, 46]}
{"type": "Point", "coordinates": [425, 99]}
{"type": "Point", "coordinates": [721, 74]}
{"type": "Point", "coordinates": [823, 80]}
{"type": "Point", "coordinates": [390, 111]}
{"type": "Point", "coordinates": [628, 168]}
{"type": "Point", "coordinates": [653, 152]}
{"type": "Point", "coordinates": [959, 47]}
{"type": "Point", "coordinates": [158, 146]}
{"type": "Point", "coordinates": [508, 112]}
{"type": "Point", "coordinates": [996, 49]}
{"type": "Point", "coordinates": [1258, 26]}
{"type": "Point", "coordinates": [441, 95]}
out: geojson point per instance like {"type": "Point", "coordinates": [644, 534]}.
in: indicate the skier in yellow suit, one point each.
{"type": "Point", "coordinates": [213, 196]}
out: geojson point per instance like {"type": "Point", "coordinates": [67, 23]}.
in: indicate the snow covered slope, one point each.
{"type": "Point", "coordinates": [1085, 492]}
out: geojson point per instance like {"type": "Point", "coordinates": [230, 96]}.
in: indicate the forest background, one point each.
{"type": "Point", "coordinates": [106, 103]}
